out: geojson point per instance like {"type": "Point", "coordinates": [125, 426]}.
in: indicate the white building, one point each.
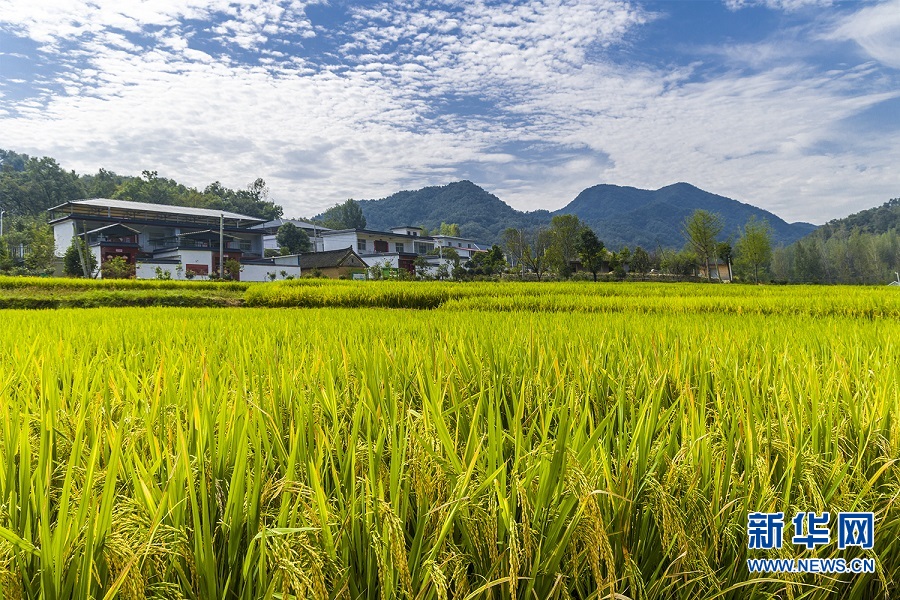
{"type": "Point", "coordinates": [185, 242]}
{"type": "Point", "coordinates": [399, 247]}
{"type": "Point", "coordinates": [312, 230]}
{"type": "Point", "coordinates": [465, 247]}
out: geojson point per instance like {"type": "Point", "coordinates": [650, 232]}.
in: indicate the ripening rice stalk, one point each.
{"type": "Point", "coordinates": [451, 453]}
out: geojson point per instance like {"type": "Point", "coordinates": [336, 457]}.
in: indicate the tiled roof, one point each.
{"type": "Point", "coordinates": [158, 208]}
{"type": "Point", "coordinates": [328, 259]}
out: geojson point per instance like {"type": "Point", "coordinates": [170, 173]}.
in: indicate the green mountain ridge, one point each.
{"type": "Point", "coordinates": [621, 216]}
{"type": "Point", "coordinates": [480, 214]}
{"type": "Point", "coordinates": [878, 220]}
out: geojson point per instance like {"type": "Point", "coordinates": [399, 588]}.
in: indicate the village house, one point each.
{"type": "Point", "coordinates": [399, 247]}
{"type": "Point", "coordinates": [156, 238]}
{"type": "Point", "coordinates": [334, 264]}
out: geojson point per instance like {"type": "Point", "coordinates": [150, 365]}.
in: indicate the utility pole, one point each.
{"type": "Point", "coordinates": [221, 246]}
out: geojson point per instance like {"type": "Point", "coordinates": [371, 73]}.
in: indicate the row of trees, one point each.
{"type": "Point", "coordinates": [557, 248]}
{"type": "Point", "coordinates": [29, 186]}
{"type": "Point", "coordinates": [852, 257]}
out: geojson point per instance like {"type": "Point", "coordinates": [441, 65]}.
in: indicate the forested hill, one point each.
{"type": "Point", "coordinates": [861, 248]}
{"type": "Point", "coordinates": [878, 220]}
{"type": "Point", "coordinates": [650, 218]}
{"type": "Point", "coordinates": [480, 214]}
{"type": "Point", "coordinates": [621, 216]}
{"type": "Point", "coordinates": [30, 185]}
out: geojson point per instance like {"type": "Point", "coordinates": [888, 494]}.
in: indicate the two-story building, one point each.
{"type": "Point", "coordinates": [397, 248]}
{"type": "Point", "coordinates": [175, 239]}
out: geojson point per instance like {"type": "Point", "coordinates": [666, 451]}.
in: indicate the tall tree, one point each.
{"type": "Point", "coordinates": [565, 235]}
{"type": "Point", "coordinates": [754, 248]}
{"type": "Point", "coordinates": [41, 248]}
{"type": "Point", "coordinates": [72, 259]}
{"type": "Point", "coordinates": [102, 185]}
{"type": "Point", "coordinates": [292, 240]}
{"type": "Point", "coordinates": [640, 261]}
{"type": "Point", "coordinates": [451, 229]}
{"type": "Point", "coordinates": [591, 251]}
{"type": "Point", "coordinates": [348, 215]}
{"type": "Point", "coordinates": [535, 251]}
{"type": "Point", "coordinates": [701, 229]}
{"type": "Point", "coordinates": [514, 242]}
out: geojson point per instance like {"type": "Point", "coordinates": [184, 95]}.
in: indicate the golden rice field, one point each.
{"type": "Point", "coordinates": [523, 441]}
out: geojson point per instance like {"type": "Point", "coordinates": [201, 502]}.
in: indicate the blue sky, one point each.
{"type": "Point", "coordinates": [791, 105]}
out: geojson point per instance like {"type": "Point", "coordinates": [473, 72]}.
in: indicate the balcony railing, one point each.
{"type": "Point", "coordinates": [196, 244]}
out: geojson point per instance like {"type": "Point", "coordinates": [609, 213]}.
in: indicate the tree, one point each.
{"type": "Point", "coordinates": [640, 261]}
{"type": "Point", "coordinates": [754, 248]}
{"type": "Point", "coordinates": [348, 215]}
{"type": "Point", "coordinates": [678, 263]}
{"type": "Point", "coordinates": [101, 185]}
{"type": "Point", "coordinates": [701, 230]}
{"type": "Point", "coordinates": [445, 252]}
{"type": "Point", "coordinates": [421, 265]}
{"type": "Point", "coordinates": [514, 243]}
{"type": "Point", "coordinates": [809, 262]}
{"type": "Point", "coordinates": [72, 259]}
{"type": "Point", "coordinates": [292, 240]}
{"type": "Point", "coordinates": [725, 253]}
{"type": "Point", "coordinates": [535, 251]}
{"type": "Point", "coordinates": [624, 262]}
{"type": "Point", "coordinates": [591, 251]}
{"type": "Point", "coordinates": [451, 229]}
{"type": "Point", "coordinates": [6, 262]}
{"type": "Point", "coordinates": [233, 269]}
{"type": "Point", "coordinates": [443, 271]}
{"type": "Point", "coordinates": [565, 234]}
{"type": "Point", "coordinates": [487, 263]}
{"type": "Point", "coordinates": [119, 268]}
{"type": "Point", "coordinates": [41, 248]}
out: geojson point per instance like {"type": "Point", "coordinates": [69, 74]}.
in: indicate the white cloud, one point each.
{"type": "Point", "coordinates": [876, 29]}
{"type": "Point", "coordinates": [54, 21]}
{"type": "Point", "coordinates": [785, 5]}
{"type": "Point", "coordinates": [528, 100]}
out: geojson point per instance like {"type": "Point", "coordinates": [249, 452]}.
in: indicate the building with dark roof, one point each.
{"type": "Point", "coordinates": [335, 264]}
{"type": "Point", "coordinates": [186, 242]}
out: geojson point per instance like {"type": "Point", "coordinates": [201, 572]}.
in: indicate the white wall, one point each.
{"type": "Point", "coordinates": [62, 236]}
{"type": "Point", "coordinates": [343, 240]}
{"type": "Point", "coordinates": [147, 270]}
{"type": "Point", "coordinates": [261, 272]}
{"type": "Point", "coordinates": [379, 259]}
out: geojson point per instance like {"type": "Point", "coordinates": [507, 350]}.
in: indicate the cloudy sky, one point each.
{"type": "Point", "coordinates": [792, 105]}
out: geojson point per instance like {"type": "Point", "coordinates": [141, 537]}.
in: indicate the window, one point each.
{"type": "Point", "coordinates": [421, 248]}
{"type": "Point", "coordinates": [468, 245]}
{"type": "Point", "coordinates": [361, 244]}
{"type": "Point", "coordinates": [399, 247]}
{"type": "Point", "coordinates": [381, 246]}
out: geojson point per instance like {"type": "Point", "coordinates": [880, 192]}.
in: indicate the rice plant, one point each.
{"type": "Point", "coordinates": [465, 452]}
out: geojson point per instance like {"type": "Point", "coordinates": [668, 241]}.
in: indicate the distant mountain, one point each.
{"type": "Point", "coordinates": [480, 214]}
{"type": "Point", "coordinates": [634, 217]}
{"type": "Point", "coordinates": [620, 215]}
{"type": "Point", "coordinates": [878, 220]}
